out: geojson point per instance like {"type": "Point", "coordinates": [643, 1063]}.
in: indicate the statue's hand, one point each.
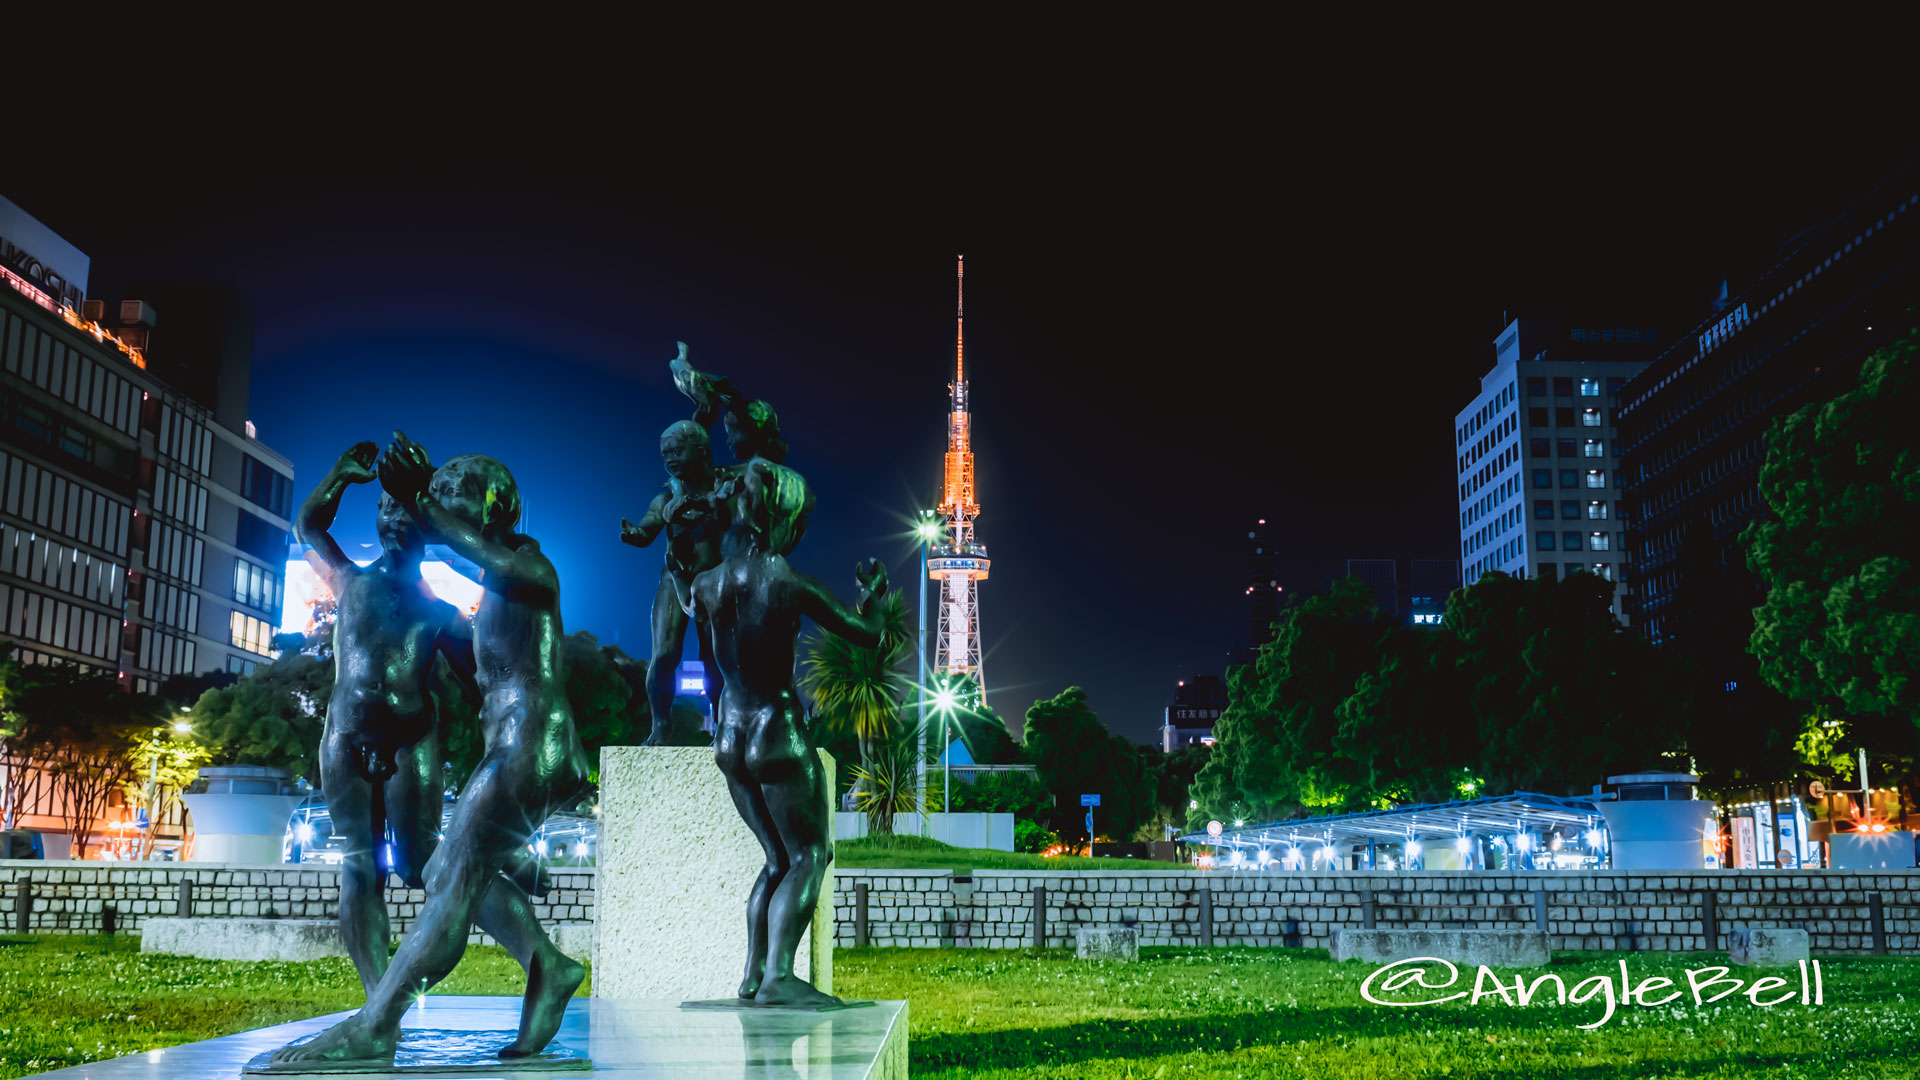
{"type": "Point", "coordinates": [872, 576]}
{"type": "Point", "coordinates": [689, 510]}
{"type": "Point", "coordinates": [356, 465]}
{"type": "Point", "coordinates": [405, 470]}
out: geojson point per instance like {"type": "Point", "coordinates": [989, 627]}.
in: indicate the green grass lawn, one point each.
{"type": "Point", "coordinates": [1211, 1014]}
{"type": "Point", "coordinates": [919, 853]}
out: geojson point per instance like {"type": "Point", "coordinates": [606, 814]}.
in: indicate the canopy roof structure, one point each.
{"type": "Point", "coordinates": [1493, 815]}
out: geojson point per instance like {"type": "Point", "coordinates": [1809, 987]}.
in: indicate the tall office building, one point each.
{"type": "Point", "coordinates": [1382, 577]}
{"type": "Point", "coordinates": [143, 529]}
{"type": "Point", "coordinates": [1694, 424]}
{"type": "Point", "coordinates": [1197, 705]}
{"type": "Point", "coordinates": [1535, 454]}
{"type": "Point", "coordinates": [1433, 581]}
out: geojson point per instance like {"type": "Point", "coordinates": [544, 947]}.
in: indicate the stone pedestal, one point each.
{"type": "Point", "coordinates": [217, 938]}
{"type": "Point", "coordinates": [1493, 948]}
{"type": "Point", "coordinates": [1121, 943]}
{"type": "Point", "coordinates": [675, 866]}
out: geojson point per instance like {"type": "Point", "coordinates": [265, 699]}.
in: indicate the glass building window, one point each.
{"type": "Point", "coordinates": [1539, 447]}
{"type": "Point", "coordinates": [1537, 416]}
{"type": "Point", "coordinates": [1596, 511]}
{"type": "Point", "coordinates": [1543, 478]}
{"type": "Point", "coordinates": [1593, 448]}
{"type": "Point", "coordinates": [1596, 478]}
{"type": "Point", "coordinates": [1562, 386]}
{"type": "Point", "coordinates": [1569, 478]}
{"type": "Point", "coordinates": [1589, 387]}
{"type": "Point", "coordinates": [265, 488]}
{"type": "Point", "coordinates": [1565, 447]}
{"type": "Point", "coordinates": [1591, 418]}
{"type": "Point", "coordinates": [1563, 416]}
{"type": "Point", "coordinates": [1543, 508]}
{"type": "Point", "coordinates": [1569, 510]}
{"type": "Point", "coordinates": [1548, 571]}
{"type": "Point", "coordinates": [1543, 541]}
{"type": "Point", "coordinates": [1603, 570]}
{"type": "Point", "coordinates": [1599, 542]}
{"type": "Point", "coordinates": [251, 634]}
{"type": "Point", "coordinates": [1536, 387]}
{"type": "Point", "coordinates": [1570, 541]}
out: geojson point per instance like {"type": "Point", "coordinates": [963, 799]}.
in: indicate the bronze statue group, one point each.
{"type": "Point", "coordinates": [729, 531]}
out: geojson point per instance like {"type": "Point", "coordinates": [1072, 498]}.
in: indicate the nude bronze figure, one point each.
{"type": "Point", "coordinates": [533, 763]}
{"type": "Point", "coordinates": [684, 511]}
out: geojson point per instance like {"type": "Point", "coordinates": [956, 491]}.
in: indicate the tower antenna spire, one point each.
{"type": "Point", "coordinates": [960, 562]}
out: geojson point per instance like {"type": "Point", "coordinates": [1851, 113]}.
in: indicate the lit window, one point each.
{"type": "Point", "coordinates": [1589, 387]}
{"type": "Point", "coordinates": [1599, 542]}
{"type": "Point", "coordinates": [1593, 448]}
{"type": "Point", "coordinates": [1596, 478]}
{"type": "Point", "coordinates": [1596, 511]}
{"type": "Point", "coordinates": [1603, 570]}
{"type": "Point", "coordinates": [1590, 418]}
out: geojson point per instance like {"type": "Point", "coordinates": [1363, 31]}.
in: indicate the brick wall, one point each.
{"type": "Point", "coordinates": [1603, 910]}
{"type": "Point", "coordinates": [69, 897]}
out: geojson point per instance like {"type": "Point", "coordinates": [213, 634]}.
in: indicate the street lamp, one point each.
{"type": "Point", "coordinates": [944, 702]}
{"type": "Point", "coordinates": [928, 530]}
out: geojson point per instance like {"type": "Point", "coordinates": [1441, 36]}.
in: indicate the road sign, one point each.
{"type": "Point", "coordinates": [1213, 828]}
{"type": "Point", "coordinates": [1089, 800]}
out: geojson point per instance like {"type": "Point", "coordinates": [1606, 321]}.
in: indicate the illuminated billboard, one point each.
{"type": "Point", "coordinates": [307, 595]}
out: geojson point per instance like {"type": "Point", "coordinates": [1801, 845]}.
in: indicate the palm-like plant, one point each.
{"type": "Point", "coordinates": [859, 689]}
{"type": "Point", "coordinates": [887, 780]}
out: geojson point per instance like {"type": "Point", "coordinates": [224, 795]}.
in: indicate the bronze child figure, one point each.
{"type": "Point", "coordinates": [754, 602]}
{"type": "Point", "coordinates": [684, 510]}
{"type": "Point", "coordinates": [380, 751]}
{"type": "Point", "coordinates": [533, 763]}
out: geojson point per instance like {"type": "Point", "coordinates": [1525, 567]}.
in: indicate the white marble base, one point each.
{"type": "Point", "coordinates": [215, 938]}
{"type": "Point", "coordinates": [626, 1040]}
{"type": "Point", "coordinates": [675, 866]}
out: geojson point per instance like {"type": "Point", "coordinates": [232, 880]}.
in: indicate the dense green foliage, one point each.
{"type": "Point", "coordinates": [1839, 632]}
{"type": "Point", "coordinates": [272, 717]}
{"type": "Point", "coordinates": [857, 693]}
{"type": "Point", "coordinates": [900, 852]}
{"type": "Point", "coordinates": [1529, 685]}
{"type": "Point", "coordinates": [82, 730]}
{"type": "Point", "coordinates": [1076, 756]}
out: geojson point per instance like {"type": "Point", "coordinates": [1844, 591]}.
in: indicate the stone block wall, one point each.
{"type": "Point", "coordinates": [1596, 911]}
{"type": "Point", "coordinates": [70, 897]}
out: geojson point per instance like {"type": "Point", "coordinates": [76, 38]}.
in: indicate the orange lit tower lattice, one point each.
{"type": "Point", "coordinates": [959, 562]}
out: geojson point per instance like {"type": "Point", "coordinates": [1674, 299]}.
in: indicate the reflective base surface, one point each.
{"type": "Point", "coordinates": [625, 1040]}
{"type": "Point", "coordinates": [435, 1052]}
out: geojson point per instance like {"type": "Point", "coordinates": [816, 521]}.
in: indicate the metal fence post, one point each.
{"type": "Point", "coordinates": [184, 909]}
{"type": "Point", "coordinates": [860, 932]}
{"type": "Point", "coordinates": [1540, 910]}
{"type": "Point", "coordinates": [1877, 922]}
{"type": "Point", "coordinates": [1039, 916]}
{"type": "Point", "coordinates": [1206, 916]}
{"type": "Point", "coordinates": [1366, 907]}
{"type": "Point", "coordinates": [22, 906]}
{"type": "Point", "coordinates": [1709, 922]}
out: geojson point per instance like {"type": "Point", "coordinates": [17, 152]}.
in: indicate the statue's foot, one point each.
{"type": "Point", "coordinates": [749, 986]}
{"type": "Point", "coordinates": [349, 1040]}
{"type": "Point", "coordinates": [551, 981]}
{"type": "Point", "coordinates": [793, 992]}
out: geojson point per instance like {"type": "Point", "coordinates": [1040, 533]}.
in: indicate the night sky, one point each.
{"type": "Point", "coordinates": [1193, 302]}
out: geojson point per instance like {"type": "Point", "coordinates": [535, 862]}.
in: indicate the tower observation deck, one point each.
{"type": "Point", "coordinates": [959, 563]}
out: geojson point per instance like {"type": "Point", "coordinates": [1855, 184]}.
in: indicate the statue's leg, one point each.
{"type": "Point", "coordinates": [795, 791]}
{"type": "Point", "coordinates": [413, 805]}
{"type": "Point", "coordinates": [363, 910]}
{"type": "Point", "coordinates": [753, 810]}
{"type": "Point", "coordinates": [715, 681]}
{"type": "Point", "coordinates": [663, 666]}
{"type": "Point", "coordinates": [490, 823]}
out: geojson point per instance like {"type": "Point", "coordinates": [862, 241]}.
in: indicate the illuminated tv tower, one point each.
{"type": "Point", "coordinates": [959, 563]}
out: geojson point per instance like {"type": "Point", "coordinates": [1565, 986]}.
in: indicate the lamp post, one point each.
{"type": "Point", "coordinates": [927, 529]}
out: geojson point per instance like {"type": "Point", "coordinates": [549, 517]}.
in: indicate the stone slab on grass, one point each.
{"type": "Point", "coordinates": [243, 939]}
{"type": "Point", "coordinates": [1767, 948]}
{"type": "Point", "coordinates": [1118, 943]}
{"type": "Point", "coordinates": [1493, 948]}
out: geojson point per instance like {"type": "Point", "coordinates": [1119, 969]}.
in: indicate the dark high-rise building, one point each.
{"type": "Point", "coordinates": [143, 528]}
{"type": "Point", "coordinates": [1263, 586]}
{"type": "Point", "coordinates": [1693, 426]}
{"type": "Point", "coordinates": [1197, 704]}
{"type": "Point", "coordinates": [1433, 581]}
{"type": "Point", "coordinates": [1383, 578]}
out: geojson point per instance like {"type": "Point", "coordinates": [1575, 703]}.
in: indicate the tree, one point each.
{"type": "Point", "coordinates": [81, 728]}
{"type": "Point", "coordinates": [1075, 756]}
{"type": "Point", "coordinates": [272, 717]}
{"type": "Point", "coordinates": [168, 762]}
{"type": "Point", "coordinates": [1839, 553]}
{"type": "Point", "coordinates": [858, 692]}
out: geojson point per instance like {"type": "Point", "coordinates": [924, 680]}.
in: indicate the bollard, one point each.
{"type": "Point", "coordinates": [1709, 922]}
{"type": "Point", "coordinates": [22, 906]}
{"type": "Point", "coordinates": [1540, 910]}
{"type": "Point", "coordinates": [860, 937]}
{"type": "Point", "coordinates": [1366, 908]}
{"type": "Point", "coordinates": [184, 908]}
{"type": "Point", "coordinates": [1206, 917]}
{"type": "Point", "coordinates": [108, 919]}
{"type": "Point", "coordinates": [1039, 916]}
{"type": "Point", "coordinates": [1877, 921]}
